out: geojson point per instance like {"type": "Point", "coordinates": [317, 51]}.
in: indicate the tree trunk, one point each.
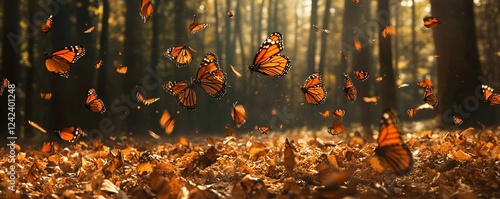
{"type": "Point", "coordinates": [324, 42]}
{"type": "Point", "coordinates": [459, 71]}
{"type": "Point", "coordinates": [388, 85]}
{"type": "Point", "coordinates": [311, 48]}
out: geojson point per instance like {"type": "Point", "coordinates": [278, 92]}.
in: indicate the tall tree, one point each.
{"type": "Point", "coordinates": [326, 21]}
{"type": "Point", "coordinates": [388, 86]}
{"type": "Point", "coordinates": [311, 48]}
{"type": "Point", "coordinates": [459, 71]}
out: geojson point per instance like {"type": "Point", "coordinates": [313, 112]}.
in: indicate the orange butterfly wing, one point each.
{"type": "Point", "coordinates": [431, 22]}
{"type": "Point", "coordinates": [264, 129]}
{"type": "Point", "coordinates": [70, 134]}
{"type": "Point", "coordinates": [4, 85]}
{"type": "Point", "coordinates": [267, 61]}
{"type": "Point", "coordinates": [210, 77]}
{"type": "Point", "coordinates": [93, 103]}
{"type": "Point", "coordinates": [313, 89]}
{"type": "Point", "coordinates": [361, 75]}
{"type": "Point", "coordinates": [349, 89]}
{"type": "Point", "coordinates": [47, 26]}
{"type": "Point", "coordinates": [181, 55]}
{"type": "Point", "coordinates": [391, 148]}
{"type": "Point", "coordinates": [426, 82]}
{"type": "Point", "coordinates": [429, 97]}
{"type": "Point", "coordinates": [337, 127]}
{"type": "Point", "coordinates": [195, 26]}
{"type": "Point", "coordinates": [239, 115]}
{"type": "Point", "coordinates": [489, 96]}
{"type": "Point", "coordinates": [146, 10]}
{"type": "Point", "coordinates": [411, 112]}
{"type": "Point", "coordinates": [167, 122]}
{"type": "Point", "coordinates": [59, 61]}
{"type": "Point", "coordinates": [183, 92]}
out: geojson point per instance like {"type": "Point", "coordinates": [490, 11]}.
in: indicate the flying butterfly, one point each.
{"type": "Point", "coordinates": [140, 98]}
{"type": "Point", "coordinates": [264, 129]}
{"type": "Point", "coordinates": [431, 22]}
{"type": "Point", "coordinates": [349, 89]}
{"type": "Point", "coordinates": [429, 97]}
{"type": "Point", "coordinates": [36, 126]}
{"type": "Point", "coordinates": [313, 89]}
{"type": "Point", "coordinates": [210, 77]}
{"type": "Point", "coordinates": [268, 61]}
{"type": "Point", "coordinates": [361, 75]}
{"type": "Point", "coordinates": [4, 85]}
{"type": "Point", "coordinates": [239, 114]}
{"type": "Point", "coordinates": [70, 134]}
{"type": "Point", "coordinates": [122, 69]}
{"type": "Point", "coordinates": [48, 147]}
{"type": "Point", "coordinates": [489, 96]}
{"type": "Point", "coordinates": [391, 149]}
{"type": "Point", "coordinates": [318, 29]}
{"type": "Point", "coordinates": [47, 25]}
{"type": "Point", "coordinates": [325, 114]}
{"type": "Point", "coordinates": [389, 30]}
{"type": "Point", "coordinates": [146, 10]}
{"type": "Point", "coordinates": [195, 26]}
{"type": "Point", "coordinates": [357, 45]}
{"type": "Point", "coordinates": [89, 30]}
{"type": "Point", "coordinates": [167, 122]}
{"type": "Point", "coordinates": [457, 120]}
{"type": "Point", "coordinates": [46, 96]}
{"type": "Point", "coordinates": [426, 82]}
{"type": "Point", "coordinates": [183, 92]}
{"type": "Point", "coordinates": [337, 127]}
{"type": "Point", "coordinates": [411, 112]}
{"type": "Point", "coordinates": [59, 61]}
{"type": "Point", "coordinates": [338, 113]}
{"type": "Point", "coordinates": [181, 55]}
{"type": "Point", "coordinates": [93, 103]}
{"type": "Point", "coordinates": [230, 14]}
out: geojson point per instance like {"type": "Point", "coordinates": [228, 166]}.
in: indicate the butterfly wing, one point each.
{"type": "Point", "coordinates": [70, 134]}
{"type": "Point", "coordinates": [181, 55]}
{"type": "Point", "coordinates": [93, 103]}
{"type": "Point", "coordinates": [4, 85]}
{"type": "Point", "coordinates": [210, 77]}
{"type": "Point", "coordinates": [267, 61]}
{"type": "Point", "coordinates": [349, 88]}
{"type": "Point", "coordinates": [391, 148]}
{"type": "Point", "coordinates": [239, 115]}
{"type": "Point", "coordinates": [337, 127]}
{"type": "Point", "coordinates": [361, 75]}
{"type": "Point", "coordinates": [167, 122]}
{"type": "Point", "coordinates": [489, 96]}
{"type": "Point", "coordinates": [429, 97]}
{"type": "Point", "coordinates": [146, 10]}
{"type": "Point", "coordinates": [313, 89]}
{"type": "Point", "coordinates": [59, 61]}
{"type": "Point", "coordinates": [195, 26]}
{"type": "Point", "coordinates": [183, 92]}
{"type": "Point", "coordinates": [47, 26]}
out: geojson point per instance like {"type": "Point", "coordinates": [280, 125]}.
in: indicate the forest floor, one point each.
{"type": "Point", "coordinates": [447, 164]}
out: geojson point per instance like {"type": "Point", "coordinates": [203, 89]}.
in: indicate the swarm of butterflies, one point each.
{"type": "Point", "coordinates": [267, 61]}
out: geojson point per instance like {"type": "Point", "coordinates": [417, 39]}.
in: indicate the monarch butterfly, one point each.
{"type": "Point", "coordinates": [4, 85]}
{"type": "Point", "coordinates": [167, 122]}
{"type": "Point", "coordinates": [429, 97]}
{"type": "Point", "coordinates": [114, 164]}
{"type": "Point", "coordinates": [389, 30]}
{"type": "Point", "coordinates": [457, 120]}
{"type": "Point", "coordinates": [313, 89]}
{"type": "Point", "coordinates": [361, 75]}
{"type": "Point", "coordinates": [349, 89]}
{"type": "Point", "coordinates": [264, 129]}
{"type": "Point", "coordinates": [59, 61]}
{"type": "Point", "coordinates": [426, 82]}
{"type": "Point", "coordinates": [268, 61]}
{"type": "Point", "coordinates": [35, 125]}
{"type": "Point", "coordinates": [122, 69]}
{"type": "Point", "coordinates": [183, 92]}
{"type": "Point", "coordinates": [357, 45]}
{"type": "Point", "coordinates": [230, 14]}
{"type": "Point", "coordinates": [146, 10]}
{"type": "Point", "coordinates": [391, 148]}
{"type": "Point", "coordinates": [48, 147]}
{"type": "Point", "coordinates": [411, 112]}
{"type": "Point", "coordinates": [47, 25]}
{"type": "Point", "coordinates": [181, 55]}
{"type": "Point", "coordinates": [431, 22]}
{"type": "Point", "coordinates": [289, 156]}
{"type": "Point", "coordinates": [93, 103]}
{"type": "Point", "coordinates": [195, 27]}
{"type": "Point", "coordinates": [210, 77]}
{"type": "Point", "coordinates": [229, 132]}
{"type": "Point", "coordinates": [70, 134]}
{"type": "Point", "coordinates": [239, 114]}
{"type": "Point", "coordinates": [98, 64]}
{"type": "Point", "coordinates": [337, 127]}
{"type": "Point", "coordinates": [338, 113]}
{"type": "Point", "coordinates": [141, 99]}
{"type": "Point", "coordinates": [318, 29]}
{"type": "Point", "coordinates": [489, 96]}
